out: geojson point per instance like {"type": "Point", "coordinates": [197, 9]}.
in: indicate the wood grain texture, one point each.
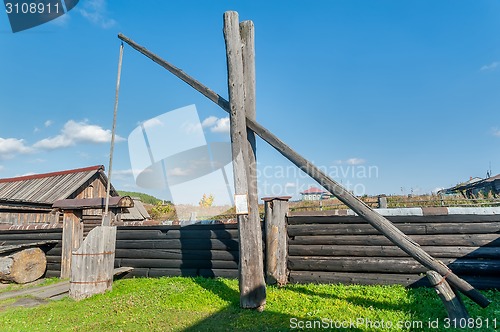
{"type": "Point", "coordinates": [276, 242]}
{"type": "Point", "coordinates": [451, 301]}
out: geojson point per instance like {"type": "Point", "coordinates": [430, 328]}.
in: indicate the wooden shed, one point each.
{"type": "Point", "coordinates": [30, 199]}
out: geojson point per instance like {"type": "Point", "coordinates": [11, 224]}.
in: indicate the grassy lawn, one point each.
{"type": "Point", "coordinates": [198, 304]}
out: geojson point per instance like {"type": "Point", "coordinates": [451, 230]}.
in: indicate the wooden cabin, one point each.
{"type": "Point", "coordinates": [30, 199]}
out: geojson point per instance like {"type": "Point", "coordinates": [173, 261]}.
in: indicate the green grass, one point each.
{"type": "Point", "coordinates": [197, 304]}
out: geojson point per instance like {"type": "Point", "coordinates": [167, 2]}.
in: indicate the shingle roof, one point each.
{"type": "Point", "coordinates": [46, 188]}
{"type": "Point", "coordinates": [314, 190]}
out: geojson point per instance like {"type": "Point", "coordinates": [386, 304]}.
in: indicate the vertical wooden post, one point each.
{"type": "Point", "coordinates": [452, 302]}
{"type": "Point", "coordinates": [382, 202]}
{"type": "Point", "coordinates": [71, 240]}
{"type": "Point", "coordinates": [276, 209]}
{"type": "Point", "coordinates": [251, 266]}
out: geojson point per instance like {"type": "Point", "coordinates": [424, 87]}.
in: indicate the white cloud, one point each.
{"type": "Point", "coordinates": [9, 147]}
{"type": "Point", "coordinates": [496, 132]}
{"type": "Point", "coordinates": [491, 66]}
{"type": "Point", "coordinates": [177, 171]}
{"type": "Point", "coordinates": [76, 132]}
{"type": "Point", "coordinates": [355, 161]}
{"type": "Point", "coordinates": [48, 123]}
{"type": "Point", "coordinates": [61, 21]}
{"type": "Point", "coordinates": [151, 123]}
{"type": "Point", "coordinates": [290, 185]}
{"type": "Point", "coordinates": [209, 122]}
{"type": "Point", "coordinates": [95, 11]}
{"type": "Point", "coordinates": [221, 126]}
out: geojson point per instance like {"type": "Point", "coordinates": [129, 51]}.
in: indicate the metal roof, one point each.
{"type": "Point", "coordinates": [46, 188]}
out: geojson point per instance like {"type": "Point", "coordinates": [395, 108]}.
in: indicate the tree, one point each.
{"type": "Point", "coordinates": [206, 201]}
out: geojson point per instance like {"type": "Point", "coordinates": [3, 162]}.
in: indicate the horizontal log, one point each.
{"type": "Point", "coordinates": [218, 273]}
{"type": "Point", "coordinates": [179, 272]}
{"type": "Point", "coordinates": [54, 267]}
{"type": "Point", "coordinates": [52, 274]}
{"type": "Point", "coordinates": [177, 234]}
{"type": "Point", "coordinates": [391, 251]}
{"type": "Point", "coordinates": [53, 259]}
{"type": "Point", "coordinates": [389, 265]}
{"type": "Point", "coordinates": [408, 280]}
{"type": "Point", "coordinates": [471, 240]}
{"type": "Point", "coordinates": [228, 244]}
{"type": "Point", "coordinates": [294, 219]}
{"type": "Point", "coordinates": [176, 263]}
{"type": "Point", "coordinates": [409, 229]}
{"type": "Point", "coordinates": [178, 254]}
{"type": "Point", "coordinates": [31, 231]}
{"type": "Point", "coordinates": [166, 228]}
{"type": "Point", "coordinates": [33, 237]}
{"type": "Point", "coordinates": [23, 266]}
{"type": "Point", "coordinates": [135, 273]}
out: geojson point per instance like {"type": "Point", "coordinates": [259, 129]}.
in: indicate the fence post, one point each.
{"type": "Point", "coordinates": [71, 239]}
{"type": "Point", "coordinates": [452, 302]}
{"type": "Point", "coordinates": [251, 266]}
{"type": "Point", "coordinates": [276, 209]}
{"type": "Point", "coordinates": [382, 202]}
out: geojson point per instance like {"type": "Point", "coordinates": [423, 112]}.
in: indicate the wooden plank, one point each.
{"type": "Point", "coordinates": [72, 238]}
{"type": "Point", "coordinates": [372, 217]}
{"type": "Point", "coordinates": [388, 265]}
{"type": "Point", "coordinates": [410, 229]}
{"type": "Point", "coordinates": [195, 244]}
{"type": "Point", "coordinates": [176, 234]}
{"type": "Point", "coordinates": [471, 240]}
{"type": "Point", "coordinates": [251, 270]}
{"type": "Point", "coordinates": [121, 270]}
{"type": "Point", "coordinates": [177, 263]}
{"type": "Point", "coordinates": [93, 263]}
{"type": "Point", "coordinates": [391, 251]}
{"type": "Point", "coordinates": [276, 241]}
{"type": "Point", "coordinates": [451, 301]}
{"type": "Point", "coordinates": [32, 291]}
{"type": "Point", "coordinates": [326, 217]}
{"type": "Point", "coordinates": [221, 255]}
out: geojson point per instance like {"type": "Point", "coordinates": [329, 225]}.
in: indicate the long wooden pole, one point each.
{"type": "Point", "coordinates": [376, 220]}
{"type": "Point", "coordinates": [251, 266]}
{"type": "Point", "coordinates": [106, 220]}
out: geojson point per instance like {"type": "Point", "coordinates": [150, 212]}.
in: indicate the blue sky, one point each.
{"type": "Point", "coordinates": [388, 96]}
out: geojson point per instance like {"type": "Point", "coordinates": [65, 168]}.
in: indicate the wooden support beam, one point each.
{"type": "Point", "coordinates": [71, 239]}
{"type": "Point", "coordinates": [372, 217]}
{"type": "Point", "coordinates": [452, 302]}
{"type": "Point", "coordinates": [276, 209]}
{"type": "Point", "coordinates": [251, 271]}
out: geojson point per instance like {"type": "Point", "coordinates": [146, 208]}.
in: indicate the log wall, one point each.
{"type": "Point", "coordinates": [345, 249]}
{"type": "Point", "coordinates": [52, 251]}
{"type": "Point", "coordinates": [198, 250]}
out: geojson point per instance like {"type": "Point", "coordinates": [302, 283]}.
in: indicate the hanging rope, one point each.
{"type": "Point", "coordinates": [106, 220]}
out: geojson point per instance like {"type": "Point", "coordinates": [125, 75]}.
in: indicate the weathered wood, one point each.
{"type": "Point", "coordinates": [388, 265]}
{"type": "Point", "coordinates": [451, 301]}
{"type": "Point", "coordinates": [72, 238]}
{"type": "Point", "coordinates": [42, 291]}
{"type": "Point", "coordinates": [372, 217]}
{"type": "Point", "coordinates": [329, 217]}
{"type": "Point", "coordinates": [178, 263]}
{"type": "Point", "coordinates": [176, 234]}
{"type": "Point", "coordinates": [411, 229]}
{"type": "Point", "coordinates": [382, 202]}
{"type": "Point", "coordinates": [187, 254]}
{"type": "Point", "coordinates": [92, 264]}
{"type": "Point", "coordinates": [391, 251]}
{"type": "Point", "coordinates": [276, 241]}
{"type": "Point", "coordinates": [363, 278]}
{"type": "Point", "coordinates": [23, 266]}
{"type": "Point", "coordinates": [224, 244]}
{"type": "Point", "coordinates": [473, 240]}
{"type": "Point", "coordinates": [16, 247]}
{"type": "Point", "coordinates": [251, 269]}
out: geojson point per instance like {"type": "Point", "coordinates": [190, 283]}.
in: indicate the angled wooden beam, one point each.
{"type": "Point", "coordinates": [373, 218]}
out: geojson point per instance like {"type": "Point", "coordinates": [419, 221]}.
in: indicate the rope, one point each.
{"type": "Point", "coordinates": [106, 221]}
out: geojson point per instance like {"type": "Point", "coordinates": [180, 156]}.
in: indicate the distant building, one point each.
{"type": "Point", "coordinates": [315, 194]}
{"type": "Point", "coordinates": [475, 186]}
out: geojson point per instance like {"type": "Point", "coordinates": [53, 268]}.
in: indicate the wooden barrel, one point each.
{"type": "Point", "coordinates": [92, 264]}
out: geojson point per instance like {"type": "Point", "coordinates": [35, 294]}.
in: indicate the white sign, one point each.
{"type": "Point", "coordinates": [241, 202]}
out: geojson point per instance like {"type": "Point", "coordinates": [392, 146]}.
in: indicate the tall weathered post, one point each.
{"type": "Point", "coordinates": [276, 209]}
{"type": "Point", "coordinates": [71, 239]}
{"type": "Point", "coordinates": [251, 269]}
